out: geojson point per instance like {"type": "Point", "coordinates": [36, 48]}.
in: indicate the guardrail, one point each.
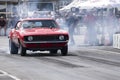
{"type": "Point", "coordinates": [116, 41]}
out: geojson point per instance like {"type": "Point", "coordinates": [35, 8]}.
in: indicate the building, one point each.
{"type": "Point", "coordinates": [6, 7]}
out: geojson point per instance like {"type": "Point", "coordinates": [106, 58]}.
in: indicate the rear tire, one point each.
{"type": "Point", "coordinates": [22, 50]}
{"type": "Point", "coordinates": [13, 48]}
{"type": "Point", "coordinates": [64, 51]}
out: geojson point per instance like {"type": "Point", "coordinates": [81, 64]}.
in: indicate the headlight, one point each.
{"type": "Point", "coordinates": [61, 37]}
{"type": "Point", "coordinates": [30, 38]}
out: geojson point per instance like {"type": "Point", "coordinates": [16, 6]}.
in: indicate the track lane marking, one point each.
{"type": "Point", "coordinates": [7, 74]}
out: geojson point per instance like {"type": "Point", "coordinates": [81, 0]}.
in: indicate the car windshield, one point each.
{"type": "Point", "coordinates": [39, 24]}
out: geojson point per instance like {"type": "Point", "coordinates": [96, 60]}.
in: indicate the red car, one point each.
{"type": "Point", "coordinates": [38, 34]}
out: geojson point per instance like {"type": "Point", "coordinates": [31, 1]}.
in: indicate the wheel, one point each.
{"type": "Point", "coordinates": [13, 48]}
{"type": "Point", "coordinates": [22, 50]}
{"type": "Point", "coordinates": [53, 51]}
{"type": "Point", "coordinates": [64, 51]}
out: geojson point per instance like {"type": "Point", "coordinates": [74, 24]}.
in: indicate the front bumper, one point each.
{"type": "Point", "coordinates": [45, 45]}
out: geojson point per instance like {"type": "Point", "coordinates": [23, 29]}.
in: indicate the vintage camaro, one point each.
{"type": "Point", "coordinates": [38, 34]}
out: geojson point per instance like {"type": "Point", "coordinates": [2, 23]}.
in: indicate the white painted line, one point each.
{"type": "Point", "coordinates": [6, 74]}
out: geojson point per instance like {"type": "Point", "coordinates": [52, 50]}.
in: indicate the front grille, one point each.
{"type": "Point", "coordinates": [45, 38]}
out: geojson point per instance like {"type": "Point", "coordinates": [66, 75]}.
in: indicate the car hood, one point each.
{"type": "Point", "coordinates": [43, 31]}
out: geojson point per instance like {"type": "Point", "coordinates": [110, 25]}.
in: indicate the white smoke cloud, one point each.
{"type": "Point", "coordinates": [35, 9]}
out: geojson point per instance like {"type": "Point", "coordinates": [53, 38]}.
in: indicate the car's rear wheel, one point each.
{"type": "Point", "coordinates": [13, 48]}
{"type": "Point", "coordinates": [53, 51]}
{"type": "Point", "coordinates": [64, 50]}
{"type": "Point", "coordinates": [22, 50]}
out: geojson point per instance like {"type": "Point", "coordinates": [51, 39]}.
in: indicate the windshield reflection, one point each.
{"type": "Point", "coordinates": [39, 24]}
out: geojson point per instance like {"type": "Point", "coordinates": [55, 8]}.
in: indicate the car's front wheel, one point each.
{"type": "Point", "coordinates": [64, 50]}
{"type": "Point", "coordinates": [53, 51]}
{"type": "Point", "coordinates": [13, 48]}
{"type": "Point", "coordinates": [22, 50]}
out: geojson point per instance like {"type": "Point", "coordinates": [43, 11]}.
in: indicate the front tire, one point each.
{"type": "Point", "coordinates": [64, 51]}
{"type": "Point", "coordinates": [22, 50]}
{"type": "Point", "coordinates": [53, 51]}
{"type": "Point", "coordinates": [13, 48]}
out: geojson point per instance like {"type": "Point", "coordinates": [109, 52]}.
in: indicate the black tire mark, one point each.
{"type": "Point", "coordinates": [60, 63]}
{"type": "Point", "coordinates": [103, 61]}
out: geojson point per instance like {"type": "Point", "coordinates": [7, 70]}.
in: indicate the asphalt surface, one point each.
{"type": "Point", "coordinates": [82, 63]}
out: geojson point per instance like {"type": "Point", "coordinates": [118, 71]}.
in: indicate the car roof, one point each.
{"type": "Point", "coordinates": [36, 19]}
